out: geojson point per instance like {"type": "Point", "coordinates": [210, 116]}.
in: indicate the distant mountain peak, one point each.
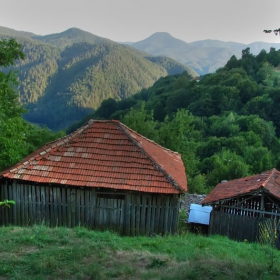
{"type": "Point", "coordinates": [73, 31]}
{"type": "Point", "coordinates": [163, 36]}
{"type": "Point", "coordinates": [71, 36]}
{"type": "Point", "coordinates": [158, 41]}
{"type": "Point", "coordinates": [76, 31]}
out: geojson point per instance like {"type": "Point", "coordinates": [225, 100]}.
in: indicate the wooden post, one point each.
{"type": "Point", "coordinates": [82, 207]}
{"type": "Point", "coordinates": [148, 216]}
{"type": "Point", "coordinates": [132, 215]}
{"type": "Point", "coordinates": [29, 205]}
{"type": "Point", "coordinates": [262, 204]}
{"type": "Point", "coordinates": [78, 207]}
{"type": "Point", "coordinates": [143, 215]}
{"type": "Point", "coordinates": [127, 214]}
{"type": "Point", "coordinates": [166, 225]}
{"type": "Point", "coordinates": [153, 215]}
{"type": "Point", "coordinates": [138, 213]}
{"type": "Point", "coordinates": [86, 198]}
{"type": "Point", "coordinates": [69, 207]}
{"type": "Point", "coordinates": [73, 206]}
{"type": "Point", "coordinates": [14, 197]}
{"type": "Point", "coordinates": [5, 196]}
{"type": "Point", "coordinates": [34, 204]}
{"type": "Point", "coordinates": [63, 206]}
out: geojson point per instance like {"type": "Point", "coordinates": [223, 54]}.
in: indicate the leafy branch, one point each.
{"type": "Point", "coordinates": [276, 31]}
{"type": "Point", "coordinates": [6, 203]}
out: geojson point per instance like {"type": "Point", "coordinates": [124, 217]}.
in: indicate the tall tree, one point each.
{"type": "Point", "coordinates": [17, 137]}
{"type": "Point", "coordinates": [12, 126]}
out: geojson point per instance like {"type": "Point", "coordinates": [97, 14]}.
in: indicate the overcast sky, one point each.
{"type": "Point", "coordinates": [131, 20]}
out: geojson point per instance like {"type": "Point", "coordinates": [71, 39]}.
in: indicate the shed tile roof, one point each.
{"type": "Point", "coordinates": [268, 181]}
{"type": "Point", "coordinates": [104, 154]}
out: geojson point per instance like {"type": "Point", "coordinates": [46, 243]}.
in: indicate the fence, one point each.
{"type": "Point", "coordinates": [242, 228]}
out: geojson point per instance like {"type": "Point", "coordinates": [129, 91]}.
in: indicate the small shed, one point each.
{"type": "Point", "coordinates": [102, 176]}
{"type": "Point", "coordinates": [246, 208]}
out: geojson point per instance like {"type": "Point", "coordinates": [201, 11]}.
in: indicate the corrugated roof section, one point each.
{"type": "Point", "coordinates": [104, 154]}
{"type": "Point", "coordinates": [268, 180]}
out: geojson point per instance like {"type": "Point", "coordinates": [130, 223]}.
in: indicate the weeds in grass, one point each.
{"type": "Point", "coordinates": [156, 263]}
{"type": "Point", "coordinates": [267, 237]}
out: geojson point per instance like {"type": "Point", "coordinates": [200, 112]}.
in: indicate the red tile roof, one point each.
{"type": "Point", "coordinates": [104, 154]}
{"type": "Point", "coordinates": [269, 181]}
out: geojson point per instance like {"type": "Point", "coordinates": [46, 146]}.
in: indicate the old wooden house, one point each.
{"type": "Point", "coordinates": [246, 208]}
{"type": "Point", "coordinates": [103, 176]}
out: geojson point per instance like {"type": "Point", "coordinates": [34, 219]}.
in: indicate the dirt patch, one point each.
{"type": "Point", "coordinates": [141, 259]}
{"type": "Point", "coordinates": [30, 250]}
{"type": "Point", "coordinates": [17, 229]}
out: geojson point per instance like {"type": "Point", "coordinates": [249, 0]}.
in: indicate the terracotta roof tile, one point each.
{"type": "Point", "coordinates": [268, 180]}
{"type": "Point", "coordinates": [104, 154]}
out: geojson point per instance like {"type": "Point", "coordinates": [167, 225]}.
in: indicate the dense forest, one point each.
{"type": "Point", "coordinates": [225, 126]}
{"type": "Point", "coordinates": [66, 76]}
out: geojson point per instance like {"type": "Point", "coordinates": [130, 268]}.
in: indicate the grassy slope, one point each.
{"type": "Point", "coordinates": [59, 253]}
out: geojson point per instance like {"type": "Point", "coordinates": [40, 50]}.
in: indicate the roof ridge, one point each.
{"type": "Point", "coordinates": [157, 166]}
{"type": "Point", "coordinates": [272, 172]}
{"type": "Point", "coordinates": [151, 141]}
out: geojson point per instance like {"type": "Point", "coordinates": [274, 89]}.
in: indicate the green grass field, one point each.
{"type": "Point", "coordinates": [39, 252]}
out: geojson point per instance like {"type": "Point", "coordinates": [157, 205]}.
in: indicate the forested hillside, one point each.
{"type": "Point", "coordinates": [66, 76]}
{"type": "Point", "coordinates": [226, 126]}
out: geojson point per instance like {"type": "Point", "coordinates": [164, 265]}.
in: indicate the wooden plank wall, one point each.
{"type": "Point", "coordinates": [129, 214]}
{"type": "Point", "coordinates": [151, 214]}
{"type": "Point", "coordinates": [234, 226]}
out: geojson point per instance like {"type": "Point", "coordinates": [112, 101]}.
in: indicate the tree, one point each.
{"type": "Point", "coordinates": [225, 165]}
{"type": "Point", "coordinates": [10, 51]}
{"type": "Point", "coordinates": [18, 137]}
{"type": "Point", "coordinates": [12, 126]}
{"type": "Point", "coordinates": [276, 31]}
{"type": "Point", "coordinates": [141, 121]}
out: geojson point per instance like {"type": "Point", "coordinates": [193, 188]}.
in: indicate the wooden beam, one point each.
{"type": "Point", "coordinates": [251, 210]}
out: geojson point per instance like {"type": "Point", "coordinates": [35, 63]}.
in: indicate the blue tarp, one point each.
{"type": "Point", "coordinates": [200, 214]}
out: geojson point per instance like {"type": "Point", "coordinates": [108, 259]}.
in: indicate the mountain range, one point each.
{"type": "Point", "coordinates": [204, 56]}
{"type": "Point", "coordinates": [67, 75]}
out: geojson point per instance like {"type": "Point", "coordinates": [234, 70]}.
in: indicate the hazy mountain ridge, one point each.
{"type": "Point", "coordinates": [70, 37]}
{"type": "Point", "coordinates": [204, 56]}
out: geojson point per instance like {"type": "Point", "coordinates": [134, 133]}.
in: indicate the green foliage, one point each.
{"type": "Point", "coordinates": [10, 51]}
{"type": "Point", "coordinates": [6, 203]}
{"type": "Point", "coordinates": [17, 138]}
{"type": "Point", "coordinates": [225, 165]}
{"type": "Point", "coordinates": [12, 126]}
{"type": "Point", "coordinates": [141, 121]}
